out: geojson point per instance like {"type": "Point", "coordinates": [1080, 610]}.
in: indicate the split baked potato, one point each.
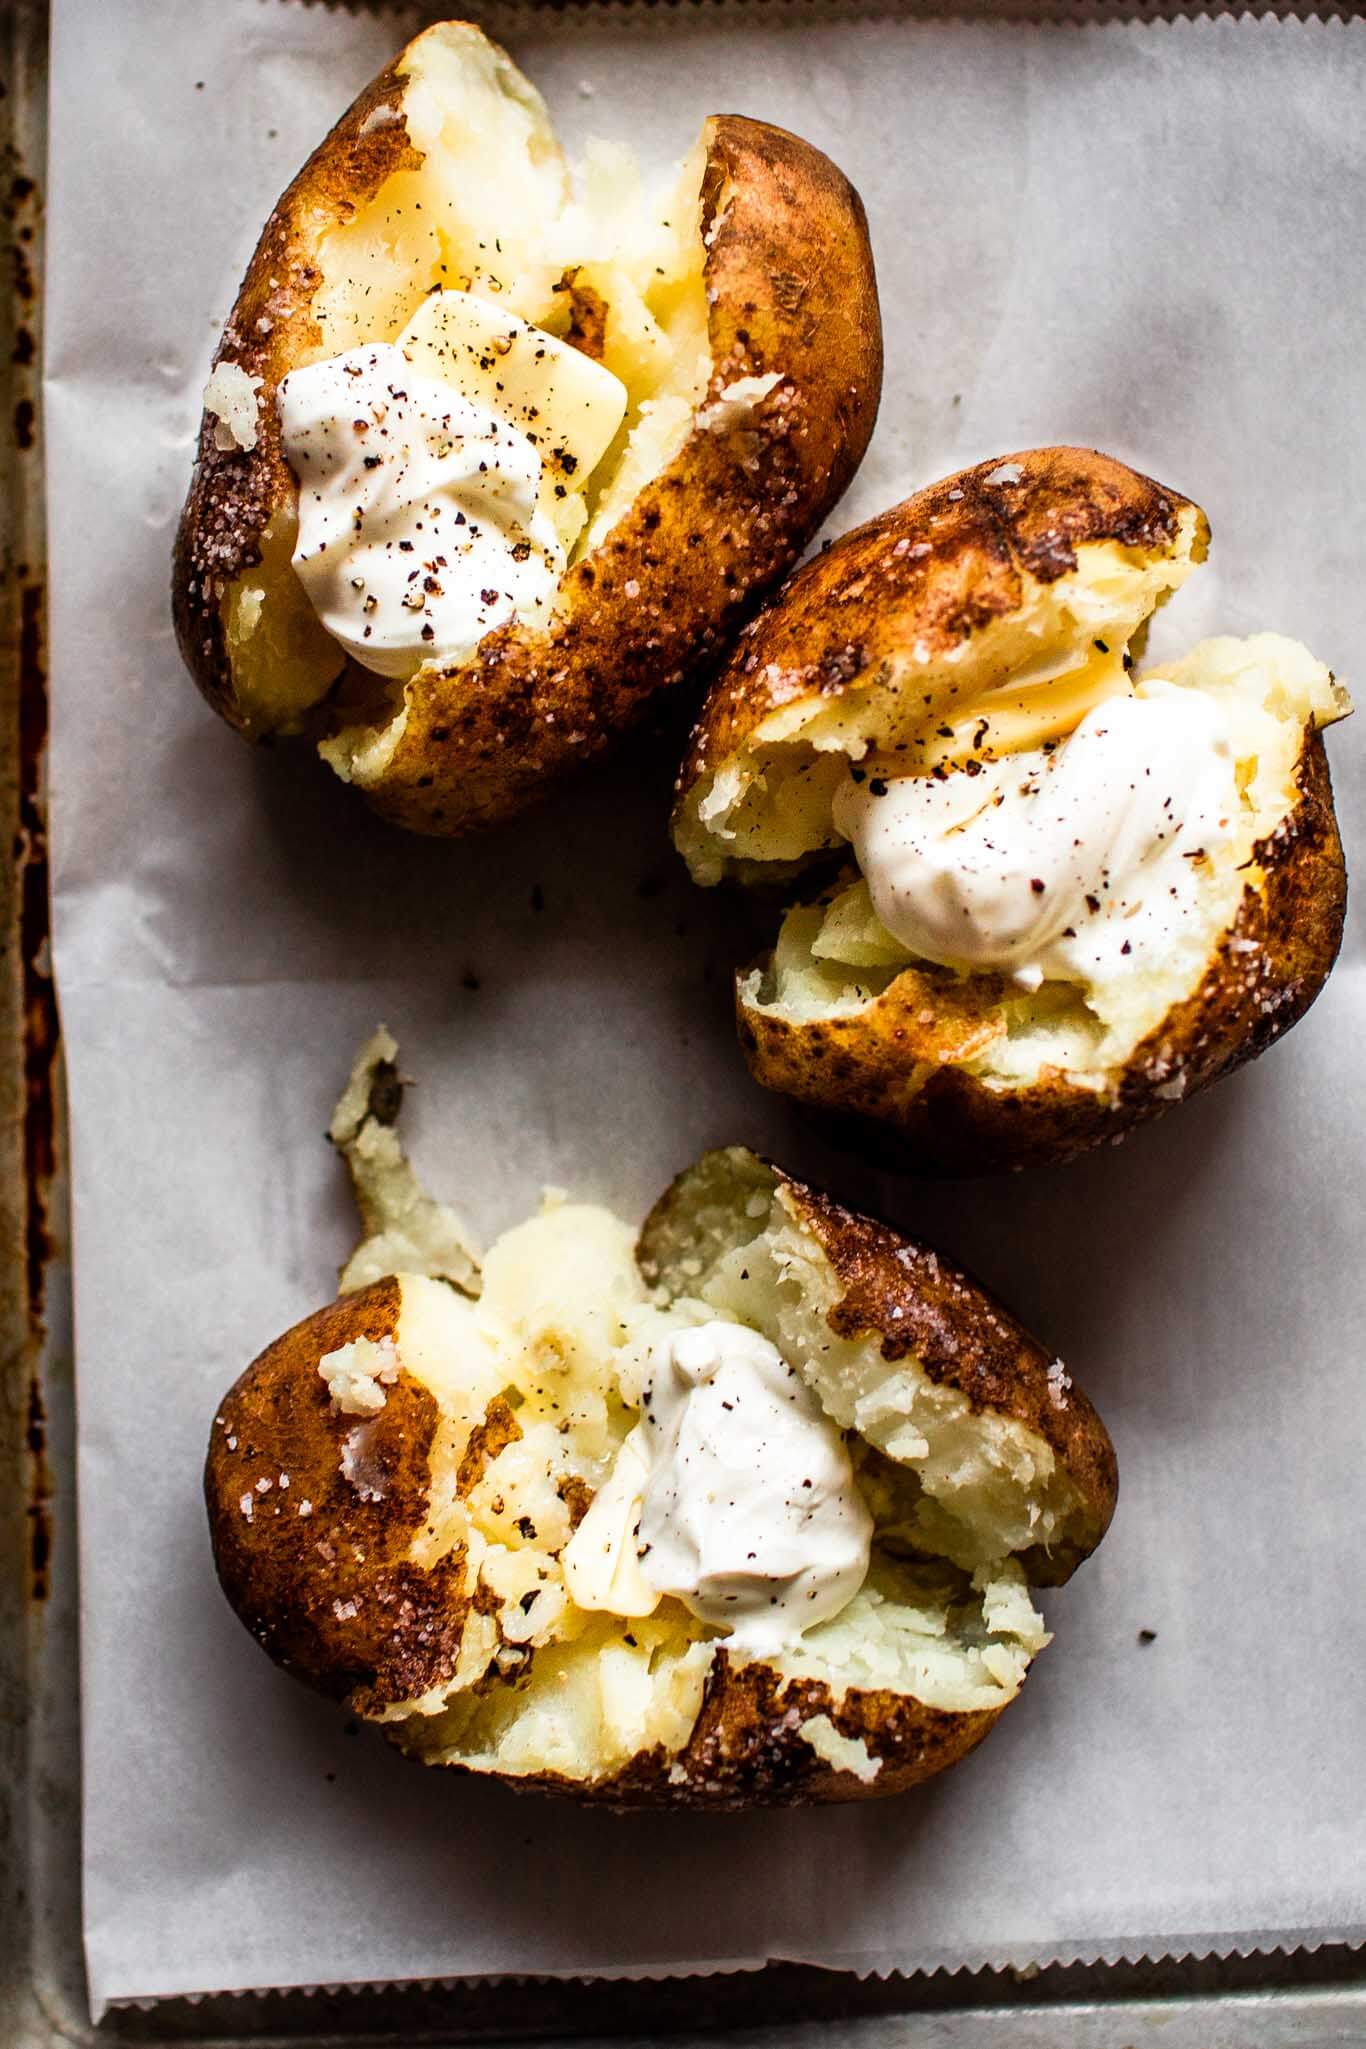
{"type": "Point", "coordinates": [396, 1488]}
{"type": "Point", "coordinates": [735, 320]}
{"type": "Point", "coordinates": [950, 653]}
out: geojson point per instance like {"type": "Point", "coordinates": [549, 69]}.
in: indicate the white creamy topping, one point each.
{"type": "Point", "coordinates": [734, 1494]}
{"type": "Point", "coordinates": [1065, 863]}
{"type": "Point", "coordinates": [441, 478]}
{"type": "Point", "coordinates": [418, 524]}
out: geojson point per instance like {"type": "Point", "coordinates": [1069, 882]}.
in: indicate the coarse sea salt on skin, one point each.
{"type": "Point", "coordinates": [355, 1465]}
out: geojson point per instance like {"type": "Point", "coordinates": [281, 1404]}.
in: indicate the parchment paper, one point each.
{"type": "Point", "coordinates": [1148, 238]}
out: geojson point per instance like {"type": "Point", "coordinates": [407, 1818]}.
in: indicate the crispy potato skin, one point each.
{"type": "Point", "coordinates": [327, 1590]}
{"type": "Point", "coordinates": [887, 1072]}
{"type": "Point", "coordinates": [930, 572]}
{"type": "Point", "coordinates": [288, 1575]}
{"type": "Point", "coordinates": [789, 273]}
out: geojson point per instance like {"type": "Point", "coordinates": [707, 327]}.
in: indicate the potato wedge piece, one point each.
{"type": "Point", "coordinates": [743, 325]}
{"type": "Point", "coordinates": [393, 1484]}
{"type": "Point", "coordinates": [984, 618]}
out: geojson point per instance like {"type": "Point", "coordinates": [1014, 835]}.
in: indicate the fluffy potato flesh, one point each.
{"type": "Point", "coordinates": [833, 958]}
{"type": "Point", "coordinates": [558, 1336]}
{"type": "Point", "coordinates": [486, 205]}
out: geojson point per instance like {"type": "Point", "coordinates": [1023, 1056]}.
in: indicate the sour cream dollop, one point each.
{"type": "Point", "coordinates": [1055, 864]}
{"type": "Point", "coordinates": [734, 1494]}
{"type": "Point", "coordinates": [419, 529]}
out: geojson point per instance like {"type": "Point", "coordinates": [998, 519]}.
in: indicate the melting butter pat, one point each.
{"type": "Point", "coordinates": [566, 404]}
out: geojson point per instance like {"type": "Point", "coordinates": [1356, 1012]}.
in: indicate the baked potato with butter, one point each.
{"type": "Point", "coordinates": [730, 332]}
{"type": "Point", "coordinates": [397, 1488]}
{"type": "Point", "coordinates": [896, 721]}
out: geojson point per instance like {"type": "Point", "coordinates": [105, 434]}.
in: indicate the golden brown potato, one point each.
{"type": "Point", "coordinates": [393, 1484]}
{"type": "Point", "coordinates": [984, 619]}
{"type": "Point", "coordinates": [744, 327]}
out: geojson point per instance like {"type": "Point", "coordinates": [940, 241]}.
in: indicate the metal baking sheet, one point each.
{"type": "Point", "coordinates": [1311, 1996]}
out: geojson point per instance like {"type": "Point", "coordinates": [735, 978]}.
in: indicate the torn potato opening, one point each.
{"type": "Point", "coordinates": [1026, 811]}
{"type": "Point", "coordinates": [489, 212]}
{"type": "Point", "coordinates": [1018, 681]}
{"type": "Point", "coordinates": [540, 1383]}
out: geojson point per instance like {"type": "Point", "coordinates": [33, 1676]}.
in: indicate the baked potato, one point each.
{"type": "Point", "coordinates": [1053, 893]}
{"type": "Point", "coordinates": [620, 415]}
{"type": "Point", "coordinates": [422, 1498]}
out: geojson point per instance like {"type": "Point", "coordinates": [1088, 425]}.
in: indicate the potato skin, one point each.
{"type": "Point", "coordinates": [790, 279]}
{"type": "Point", "coordinates": [317, 1573]}
{"type": "Point", "coordinates": [885, 1072]}
{"type": "Point", "coordinates": [930, 572]}
{"type": "Point", "coordinates": [330, 1594]}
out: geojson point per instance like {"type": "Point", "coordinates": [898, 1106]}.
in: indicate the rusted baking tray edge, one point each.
{"type": "Point", "coordinates": [1236, 2002]}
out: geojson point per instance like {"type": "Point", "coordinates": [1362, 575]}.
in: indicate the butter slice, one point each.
{"type": "Point", "coordinates": [568, 406]}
